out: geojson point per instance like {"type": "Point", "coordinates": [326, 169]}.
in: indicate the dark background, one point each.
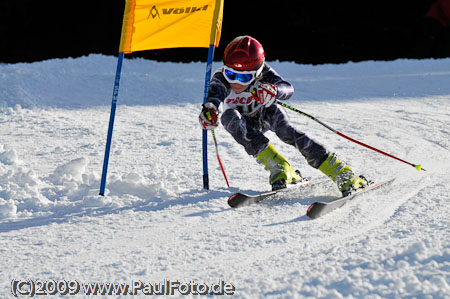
{"type": "Point", "coordinates": [309, 32]}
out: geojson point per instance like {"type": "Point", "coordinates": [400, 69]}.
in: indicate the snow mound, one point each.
{"type": "Point", "coordinates": [8, 209]}
{"type": "Point", "coordinates": [71, 187]}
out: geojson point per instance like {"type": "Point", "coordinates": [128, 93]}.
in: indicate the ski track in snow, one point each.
{"type": "Point", "coordinates": [157, 222]}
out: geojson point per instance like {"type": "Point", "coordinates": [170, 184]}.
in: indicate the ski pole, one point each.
{"type": "Point", "coordinates": [208, 115]}
{"type": "Point", "coordinates": [416, 166]}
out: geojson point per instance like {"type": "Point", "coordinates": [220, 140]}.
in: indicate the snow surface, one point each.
{"type": "Point", "coordinates": [157, 222]}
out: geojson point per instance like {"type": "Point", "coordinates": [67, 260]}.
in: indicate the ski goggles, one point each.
{"type": "Point", "coordinates": [240, 77]}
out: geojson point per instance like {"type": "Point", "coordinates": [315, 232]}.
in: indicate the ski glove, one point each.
{"type": "Point", "coordinates": [266, 93]}
{"type": "Point", "coordinates": [209, 117]}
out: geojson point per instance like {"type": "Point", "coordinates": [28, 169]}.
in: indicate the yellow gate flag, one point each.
{"type": "Point", "coordinates": [159, 24]}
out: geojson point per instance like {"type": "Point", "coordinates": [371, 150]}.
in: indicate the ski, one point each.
{"type": "Point", "coordinates": [239, 199]}
{"type": "Point", "coordinates": [319, 209]}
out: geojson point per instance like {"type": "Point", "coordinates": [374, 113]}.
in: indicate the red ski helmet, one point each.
{"type": "Point", "coordinates": [244, 53]}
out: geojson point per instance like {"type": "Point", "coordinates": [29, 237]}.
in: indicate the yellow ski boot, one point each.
{"type": "Point", "coordinates": [342, 175]}
{"type": "Point", "coordinates": [281, 172]}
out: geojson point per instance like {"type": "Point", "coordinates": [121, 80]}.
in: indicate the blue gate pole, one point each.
{"type": "Point", "coordinates": [205, 135]}
{"type": "Point", "coordinates": [111, 123]}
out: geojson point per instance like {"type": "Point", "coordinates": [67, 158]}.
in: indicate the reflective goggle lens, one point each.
{"type": "Point", "coordinates": [244, 78]}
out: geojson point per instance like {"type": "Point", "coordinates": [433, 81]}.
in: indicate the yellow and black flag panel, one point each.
{"type": "Point", "coordinates": [158, 24]}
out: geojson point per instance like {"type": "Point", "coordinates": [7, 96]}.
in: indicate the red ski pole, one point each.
{"type": "Point", "coordinates": [217, 152]}
{"type": "Point", "coordinates": [218, 158]}
{"type": "Point", "coordinates": [416, 166]}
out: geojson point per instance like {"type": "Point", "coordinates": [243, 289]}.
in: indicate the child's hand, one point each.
{"type": "Point", "coordinates": [266, 93]}
{"type": "Point", "coordinates": [209, 117]}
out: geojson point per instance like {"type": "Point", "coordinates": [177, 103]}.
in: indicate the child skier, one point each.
{"type": "Point", "coordinates": [244, 91]}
